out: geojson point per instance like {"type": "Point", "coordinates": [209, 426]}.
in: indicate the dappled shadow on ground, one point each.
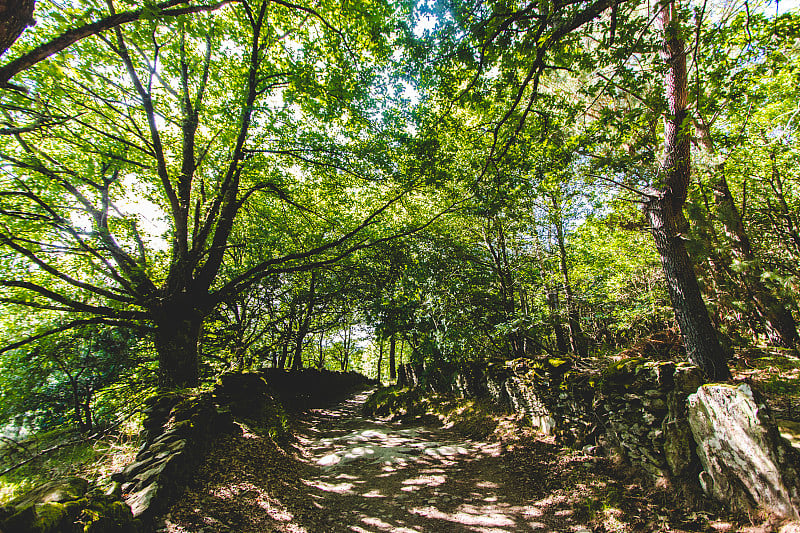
{"type": "Point", "coordinates": [349, 474]}
{"type": "Point", "coordinates": [379, 477]}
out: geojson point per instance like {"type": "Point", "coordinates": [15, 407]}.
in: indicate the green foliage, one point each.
{"type": "Point", "coordinates": [290, 181]}
{"type": "Point", "coordinates": [92, 459]}
{"type": "Point", "coordinates": [82, 378]}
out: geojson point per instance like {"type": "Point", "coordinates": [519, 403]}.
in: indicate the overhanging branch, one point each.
{"type": "Point", "coordinates": [66, 39]}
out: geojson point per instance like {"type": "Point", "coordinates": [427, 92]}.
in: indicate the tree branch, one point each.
{"type": "Point", "coordinates": [66, 39]}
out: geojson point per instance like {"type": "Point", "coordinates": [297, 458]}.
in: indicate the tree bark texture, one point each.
{"type": "Point", "coordinates": [664, 211]}
{"type": "Point", "coordinates": [700, 337]}
{"type": "Point", "coordinates": [177, 336]}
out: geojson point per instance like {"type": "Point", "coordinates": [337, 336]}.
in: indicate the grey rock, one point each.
{"type": "Point", "coordinates": [745, 462]}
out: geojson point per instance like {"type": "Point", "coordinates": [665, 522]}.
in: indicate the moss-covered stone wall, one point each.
{"type": "Point", "coordinates": [635, 407]}
{"type": "Point", "coordinates": [641, 409]}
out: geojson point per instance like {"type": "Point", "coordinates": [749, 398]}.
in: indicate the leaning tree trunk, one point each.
{"type": "Point", "coordinates": [780, 324]}
{"type": "Point", "coordinates": [699, 335]}
{"type": "Point", "coordinates": [664, 210]}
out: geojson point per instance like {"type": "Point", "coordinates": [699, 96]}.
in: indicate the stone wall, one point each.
{"type": "Point", "coordinates": [180, 429]}
{"type": "Point", "coordinates": [641, 409]}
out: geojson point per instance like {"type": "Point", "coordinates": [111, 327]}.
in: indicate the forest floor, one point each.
{"type": "Point", "coordinates": [347, 473]}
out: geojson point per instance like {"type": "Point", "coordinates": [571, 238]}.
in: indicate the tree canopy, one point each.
{"type": "Point", "coordinates": [189, 187]}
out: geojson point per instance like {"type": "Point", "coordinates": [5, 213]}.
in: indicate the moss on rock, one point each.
{"type": "Point", "coordinates": [395, 401]}
{"type": "Point", "coordinates": [69, 505]}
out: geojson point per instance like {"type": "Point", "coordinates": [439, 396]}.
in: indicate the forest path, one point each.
{"type": "Point", "coordinates": [353, 474]}
{"type": "Point", "coordinates": [375, 476]}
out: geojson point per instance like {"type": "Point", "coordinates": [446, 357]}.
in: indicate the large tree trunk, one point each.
{"type": "Point", "coordinates": [664, 210]}
{"type": "Point", "coordinates": [177, 336]}
{"type": "Point", "coordinates": [15, 16]}
{"type": "Point", "coordinates": [700, 337]}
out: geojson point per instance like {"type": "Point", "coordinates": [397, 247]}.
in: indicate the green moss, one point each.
{"type": "Point", "coordinates": [61, 490]}
{"type": "Point", "coordinates": [620, 374]}
{"type": "Point", "coordinates": [395, 400]}
{"type": "Point", "coordinates": [557, 362]}
{"type": "Point", "coordinates": [49, 517]}
{"type": "Point", "coordinates": [471, 418]}
{"type": "Point", "coordinates": [75, 507]}
{"type": "Point", "coordinates": [185, 408]}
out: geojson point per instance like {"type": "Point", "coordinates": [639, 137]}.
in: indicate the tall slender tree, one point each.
{"type": "Point", "coordinates": [664, 207]}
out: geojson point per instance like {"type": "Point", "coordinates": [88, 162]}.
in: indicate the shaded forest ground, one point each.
{"type": "Point", "coordinates": [521, 482]}
{"type": "Point", "coordinates": [348, 473]}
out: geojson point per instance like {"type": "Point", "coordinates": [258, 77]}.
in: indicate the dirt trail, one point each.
{"type": "Point", "coordinates": [376, 476]}
{"type": "Point", "coordinates": [351, 474]}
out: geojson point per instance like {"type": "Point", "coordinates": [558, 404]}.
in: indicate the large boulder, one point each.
{"type": "Point", "coordinates": [745, 461]}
